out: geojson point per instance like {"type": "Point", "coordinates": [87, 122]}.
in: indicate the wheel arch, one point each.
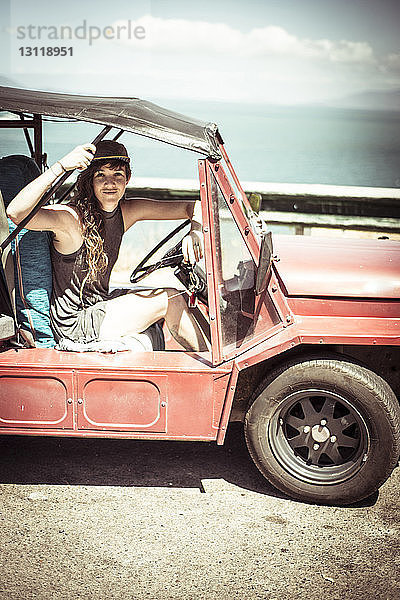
{"type": "Point", "coordinates": [382, 360]}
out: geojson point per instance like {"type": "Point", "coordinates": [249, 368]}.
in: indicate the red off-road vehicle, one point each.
{"type": "Point", "coordinates": [305, 333]}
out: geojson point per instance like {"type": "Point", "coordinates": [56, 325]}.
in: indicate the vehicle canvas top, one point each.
{"type": "Point", "coordinates": [130, 114]}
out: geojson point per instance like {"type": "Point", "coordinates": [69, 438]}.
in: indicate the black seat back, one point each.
{"type": "Point", "coordinates": [32, 281]}
{"type": "Point", "coordinates": [7, 327]}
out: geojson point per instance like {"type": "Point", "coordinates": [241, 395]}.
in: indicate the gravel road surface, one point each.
{"type": "Point", "coordinates": [181, 520]}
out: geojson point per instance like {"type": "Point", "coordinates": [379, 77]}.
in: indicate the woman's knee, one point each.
{"type": "Point", "coordinates": [172, 292]}
{"type": "Point", "coordinates": [176, 298]}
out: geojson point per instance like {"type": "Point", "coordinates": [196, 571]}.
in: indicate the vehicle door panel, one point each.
{"type": "Point", "coordinates": [36, 400]}
{"type": "Point", "coordinates": [114, 401]}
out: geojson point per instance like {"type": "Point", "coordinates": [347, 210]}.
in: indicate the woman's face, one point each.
{"type": "Point", "coordinates": [109, 186]}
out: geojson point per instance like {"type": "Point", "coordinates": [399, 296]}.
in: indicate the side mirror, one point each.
{"type": "Point", "coordinates": [255, 202]}
{"type": "Point", "coordinates": [264, 264]}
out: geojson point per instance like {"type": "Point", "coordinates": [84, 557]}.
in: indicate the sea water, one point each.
{"type": "Point", "coordinates": [266, 144]}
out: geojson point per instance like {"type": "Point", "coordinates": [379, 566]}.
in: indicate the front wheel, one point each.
{"type": "Point", "coordinates": [324, 430]}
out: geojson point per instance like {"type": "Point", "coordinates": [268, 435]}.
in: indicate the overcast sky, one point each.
{"type": "Point", "coordinates": [281, 51]}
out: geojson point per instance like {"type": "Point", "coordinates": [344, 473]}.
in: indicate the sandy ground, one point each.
{"type": "Point", "coordinates": [181, 520]}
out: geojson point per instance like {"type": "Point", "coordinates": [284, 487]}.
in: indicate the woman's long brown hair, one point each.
{"type": "Point", "coordinates": [91, 219]}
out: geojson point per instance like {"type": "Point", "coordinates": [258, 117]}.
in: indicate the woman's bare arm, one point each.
{"type": "Point", "coordinates": [143, 209]}
{"type": "Point", "coordinates": [29, 196]}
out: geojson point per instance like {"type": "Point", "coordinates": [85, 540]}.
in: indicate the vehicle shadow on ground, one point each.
{"type": "Point", "coordinates": [132, 463]}
{"type": "Point", "coordinates": [72, 461]}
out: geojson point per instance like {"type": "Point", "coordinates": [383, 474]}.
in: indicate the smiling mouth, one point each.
{"type": "Point", "coordinates": [110, 191]}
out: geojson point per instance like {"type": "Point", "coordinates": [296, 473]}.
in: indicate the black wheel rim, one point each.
{"type": "Point", "coordinates": [319, 437]}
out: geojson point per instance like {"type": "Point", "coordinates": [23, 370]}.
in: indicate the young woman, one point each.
{"type": "Point", "coordinates": [87, 235]}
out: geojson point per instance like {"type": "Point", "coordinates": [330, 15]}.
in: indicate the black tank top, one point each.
{"type": "Point", "coordinates": [69, 271]}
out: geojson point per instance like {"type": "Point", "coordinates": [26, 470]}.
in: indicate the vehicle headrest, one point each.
{"type": "Point", "coordinates": [16, 171]}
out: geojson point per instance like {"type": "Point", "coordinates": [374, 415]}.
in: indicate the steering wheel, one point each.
{"type": "Point", "coordinates": [172, 258]}
{"type": "Point", "coordinates": [191, 276]}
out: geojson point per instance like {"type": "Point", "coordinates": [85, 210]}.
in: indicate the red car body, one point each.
{"type": "Point", "coordinates": [318, 298]}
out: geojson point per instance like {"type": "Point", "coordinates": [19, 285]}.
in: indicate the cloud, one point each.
{"type": "Point", "coordinates": [219, 39]}
{"type": "Point", "coordinates": [214, 61]}
{"type": "Point", "coordinates": [277, 41]}
{"type": "Point", "coordinates": [391, 63]}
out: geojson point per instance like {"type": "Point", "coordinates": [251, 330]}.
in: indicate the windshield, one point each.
{"type": "Point", "coordinates": [235, 275]}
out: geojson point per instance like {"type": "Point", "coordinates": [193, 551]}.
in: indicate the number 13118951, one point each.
{"type": "Point", "coordinates": [46, 51]}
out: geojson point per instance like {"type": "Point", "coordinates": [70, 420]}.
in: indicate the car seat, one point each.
{"type": "Point", "coordinates": [32, 286]}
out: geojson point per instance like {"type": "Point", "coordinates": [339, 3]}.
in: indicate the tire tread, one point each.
{"type": "Point", "coordinates": [347, 369]}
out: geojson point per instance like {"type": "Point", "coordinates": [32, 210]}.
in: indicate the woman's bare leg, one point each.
{"type": "Point", "coordinates": [135, 311]}
{"type": "Point", "coordinates": [182, 325]}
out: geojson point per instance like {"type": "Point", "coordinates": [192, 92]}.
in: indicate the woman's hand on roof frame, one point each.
{"type": "Point", "coordinates": [79, 158]}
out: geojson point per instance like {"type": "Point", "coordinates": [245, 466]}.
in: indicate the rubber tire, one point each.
{"type": "Point", "coordinates": [368, 393]}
